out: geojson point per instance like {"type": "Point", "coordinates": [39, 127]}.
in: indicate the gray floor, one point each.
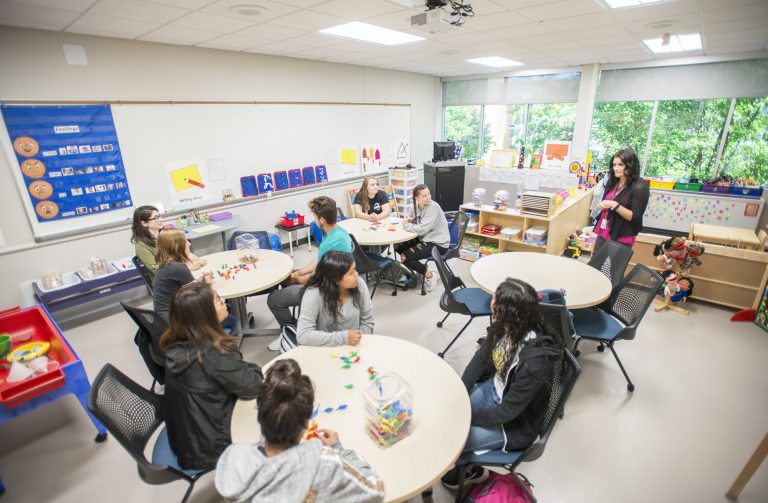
{"type": "Point", "coordinates": [697, 414]}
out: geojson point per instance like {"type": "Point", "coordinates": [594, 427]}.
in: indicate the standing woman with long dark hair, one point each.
{"type": "Point", "coordinates": [509, 379]}
{"type": "Point", "coordinates": [336, 308]}
{"type": "Point", "coordinates": [624, 201]}
{"type": "Point", "coordinates": [429, 222]}
{"type": "Point", "coordinates": [205, 375]}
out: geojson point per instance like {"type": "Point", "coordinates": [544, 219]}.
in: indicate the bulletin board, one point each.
{"type": "Point", "coordinates": [183, 155]}
{"type": "Point", "coordinates": [675, 210]}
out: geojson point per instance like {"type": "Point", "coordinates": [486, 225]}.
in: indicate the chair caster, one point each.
{"type": "Point", "coordinates": [427, 493]}
{"type": "Point", "coordinates": [394, 293]}
{"type": "Point", "coordinates": [100, 438]}
{"type": "Point", "coordinates": [441, 355]}
{"type": "Point", "coordinates": [576, 353]}
{"type": "Point", "coordinates": [600, 348]}
{"type": "Point", "coordinates": [423, 292]}
{"type": "Point", "coordinates": [439, 324]}
{"type": "Point", "coordinates": [630, 387]}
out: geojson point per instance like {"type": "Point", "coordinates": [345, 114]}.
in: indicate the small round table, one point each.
{"type": "Point", "coordinates": [441, 409]}
{"type": "Point", "coordinates": [584, 285]}
{"type": "Point", "coordinates": [271, 268]}
{"type": "Point", "coordinates": [381, 233]}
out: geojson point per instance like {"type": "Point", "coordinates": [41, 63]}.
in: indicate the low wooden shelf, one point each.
{"type": "Point", "coordinates": [727, 276]}
{"type": "Point", "coordinates": [572, 215]}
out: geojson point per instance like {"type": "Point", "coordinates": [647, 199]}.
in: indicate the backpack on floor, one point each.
{"type": "Point", "coordinates": [288, 339]}
{"type": "Point", "coordinates": [501, 489]}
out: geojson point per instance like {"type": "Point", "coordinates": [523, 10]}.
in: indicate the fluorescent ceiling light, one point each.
{"type": "Point", "coordinates": [370, 33]}
{"type": "Point", "coordinates": [674, 43]}
{"type": "Point", "coordinates": [495, 62]}
{"type": "Point", "coordinates": [618, 4]}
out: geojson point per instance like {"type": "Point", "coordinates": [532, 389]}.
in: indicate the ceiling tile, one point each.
{"type": "Point", "coordinates": [464, 37]}
{"type": "Point", "coordinates": [175, 35]}
{"type": "Point", "coordinates": [524, 30]}
{"type": "Point", "coordinates": [320, 53]}
{"type": "Point", "coordinates": [76, 5]}
{"type": "Point", "coordinates": [485, 7]}
{"type": "Point", "coordinates": [138, 10]}
{"type": "Point", "coordinates": [520, 4]}
{"type": "Point", "coordinates": [742, 13]}
{"type": "Point", "coordinates": [273, 9]}
{"type": "Point", "coordinates": [400, 20]}
{"type": "Point", "coordinates": [93, 24]}
{"type": "Point", "coordinates": [31, 16]}
{"type": "Point", "coordinates": [501, 20]}
{"type": "Point", "coordinates": [708, 5]}
{"type": "Point", "coordinates": [358, 9]}
{"type": "Point", "coordinates": [581, 24]}
{"type": "Point", "coordinates": [315, 40]}
{"type": "Point", "coordinates": [657, 12]}
{"type": "Point", "coordinates": [212, 22]}
{"type": "Point", "coordinates": [234, 42]}
{"type": "Point", "coordinates": [271, 32]}
{"type": "Point", "coordinates": [308, 20]}
{"type": "Point", "coordinates": [185, 4]}
{"type": "Point", "coordinates": [304, 4]}
{"type": "Point", "coordinates": [560, 9]}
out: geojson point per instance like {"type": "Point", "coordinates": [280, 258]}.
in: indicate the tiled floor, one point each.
{"type": "Point", "coordinates": [697, 414]}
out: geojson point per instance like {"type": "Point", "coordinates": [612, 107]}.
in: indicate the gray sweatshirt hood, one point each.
{"type": "Point", "coordinates": [244, 471]}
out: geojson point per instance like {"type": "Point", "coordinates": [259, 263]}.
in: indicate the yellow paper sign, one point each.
{"type": "Point", "coordinates": [348, 156]}
{"type": "Point", "coordinates": [182, 176]}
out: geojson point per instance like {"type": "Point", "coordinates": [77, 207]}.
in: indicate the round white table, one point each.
{"type": "Point", "coordinates": [377, 233]}
{"type": "Point", "coordinates": [584, 285]}
{"type": "Point", "coordinates": [271, 268]}
{"type": "Point", "coordinates": [441, 410]}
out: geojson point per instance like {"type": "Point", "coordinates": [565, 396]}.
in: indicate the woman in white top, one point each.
{"type": "Point", "coordinates": [429, 222]}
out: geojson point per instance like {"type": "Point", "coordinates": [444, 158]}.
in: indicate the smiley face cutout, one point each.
{"type": "Point", "coordinates": [47, 209]}
{"type": "Point", "coordinates": [40, 189]}
{"type": "Point", "coordinates": [25, 146]}
{"type": "Point", "coordinates": [32, 168]}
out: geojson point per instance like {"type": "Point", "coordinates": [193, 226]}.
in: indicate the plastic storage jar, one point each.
{"type": "Point", "coordinates": [389, 409]}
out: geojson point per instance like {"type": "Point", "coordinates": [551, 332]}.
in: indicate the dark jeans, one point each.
{"type": "Point", "coordinates": [414, 251]}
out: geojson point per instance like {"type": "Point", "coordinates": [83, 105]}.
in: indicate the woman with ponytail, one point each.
{"type": "Point", "coordinates": [510, 377]}
{"type": "Point", "coordinates": [205, 375]}
{"type": "Point", "coordinates": [286, 467]}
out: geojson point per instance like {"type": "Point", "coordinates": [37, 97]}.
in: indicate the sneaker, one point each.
{"type": "Point", "coordinates": [429, 283]}
{"type": "Point", "coordinates": [476, 475]}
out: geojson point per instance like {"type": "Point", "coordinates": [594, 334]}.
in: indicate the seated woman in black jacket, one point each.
{"type": "Point", "coordinates": [509, 378]}
{"type": "Point", "coordinates": [205, 375]}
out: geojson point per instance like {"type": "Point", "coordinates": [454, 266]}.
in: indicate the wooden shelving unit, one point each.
{"type": "Point", "coordinates": [572, 215]}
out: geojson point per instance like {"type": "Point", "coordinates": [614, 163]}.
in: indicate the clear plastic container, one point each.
{"type": "Point", "coordinates": [248, 246]}
{"type": "Point", "coordinates": [501, 200]}
{"type": "Point", "coordinates": [478, 196]}
{"type": "Point", "coordinates": [389, 409]}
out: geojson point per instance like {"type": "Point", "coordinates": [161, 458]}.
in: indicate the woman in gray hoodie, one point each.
{"type": "Point", "coordinates": [429, 222]}
{"type": "Point", "coordinates": [286, 468]}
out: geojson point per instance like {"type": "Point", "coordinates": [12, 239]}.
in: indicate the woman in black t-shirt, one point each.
{"type": "Point", "coordinates": [371, 203]}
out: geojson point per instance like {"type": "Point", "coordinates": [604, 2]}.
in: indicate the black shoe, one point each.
{"type": "Point", "coordinates": [476, 475]}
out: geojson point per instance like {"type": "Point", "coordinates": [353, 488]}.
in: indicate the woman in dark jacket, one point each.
{"type": "Point", "coordinates": [205, 375]}
{"type": "Point", "coordinates": [509, 379]}
{"type": "Point", "coordinates": [626, 197]}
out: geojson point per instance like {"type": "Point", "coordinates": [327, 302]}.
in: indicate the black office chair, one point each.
{"type": "Point", "coordinates": [263, 237]}
{"type": "Point", "coordinates": [132, 414]}
{"type": "Point", "coordinates": [151, 328]}
{"type": "Point", "coordinates": [459, 299]}
{"type": "Point", "coordinates": [461, 220]}
{"type": "Point", "coordinates": [619, 316]}
{"type": "Point", "coordinates": [611, 259]}
{"type": "Point", "coordinates": [565, 374]}
{"type": "Point", "coordinates": [145, 274]}
{"type": "Point", "coordinates": [555, 318]}
{"type": "Point", "coordinates": [369, 263]}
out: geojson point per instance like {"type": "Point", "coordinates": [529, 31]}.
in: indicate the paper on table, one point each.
{"type": "Point", "coordinates": [205, 228]}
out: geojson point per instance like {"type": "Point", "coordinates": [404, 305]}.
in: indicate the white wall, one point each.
{"type": "Point", "coordinates": [32, 66]}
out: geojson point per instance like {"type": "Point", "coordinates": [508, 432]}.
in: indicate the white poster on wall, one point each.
{"type": "Point", "coordinates": [348, 161]}
{"type": "Point", "coordinates": [403, 153]}
{"type": "Point", "coordinates": [187, 183]}
{"type": "Point", "coordinates": [557, 155]}
{"type": "Point", "coordinates": [370, 158]}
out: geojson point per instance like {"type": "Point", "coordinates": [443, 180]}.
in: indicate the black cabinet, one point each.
{"type": "Point", "coordinates": [446, 183]}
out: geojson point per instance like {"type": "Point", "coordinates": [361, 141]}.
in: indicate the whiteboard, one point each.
{"type": "Point", "coordinates": [232, 140]}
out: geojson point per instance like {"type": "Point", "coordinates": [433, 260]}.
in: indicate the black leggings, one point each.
{"type": "Point", "coordinates": [414, 251]}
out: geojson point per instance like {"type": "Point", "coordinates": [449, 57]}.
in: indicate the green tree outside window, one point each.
{"type": "Point", "coordinates": [462, 125]}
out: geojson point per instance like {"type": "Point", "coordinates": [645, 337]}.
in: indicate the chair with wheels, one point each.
{"type": "Point", "coordinates": [132, 414]}
{"type": "Point", "coordinates": [151, 328]}
{"type": "Point", "coordinates": [556, 322]}
{"type": "Point", "coordinates": [619, 316]}
{"type": "Point", "coordinates": [565, 374]}
{"type": "Point", "coordinates": [370, 263]}
{"type": "Point", "coordinates": [459, 299]}
{"type": "Point", "coordinates": [611, 259]}
{"type": "Point", "coordinates": [145, 274]}
{"type": "Point", "coordinates": [459, 225]}
{"type": "Point", "coordinates": [267, 240]}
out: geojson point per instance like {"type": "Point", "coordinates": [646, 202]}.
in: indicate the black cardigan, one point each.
{"type": "Point", "coordinates": [526, 391]}
{"type": "Point", "coordinates": [636, 199]}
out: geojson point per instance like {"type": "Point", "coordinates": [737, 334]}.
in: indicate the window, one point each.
{"type": "Point", "coordinates": [617, 125]}
{"type": "Point", "coordinates": [746, 149]}
{"type": "Point", "coordinates": [506, 125]}
{"type": "Point", "coordinates": [462, 125]}
{"type": "Point", "coordinates": [686, 138]}
{"type": "Point", "coordinates": [551, 121]}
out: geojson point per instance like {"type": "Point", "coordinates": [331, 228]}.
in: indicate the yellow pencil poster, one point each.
{"type": "Point", "coordinates": [187, 182]}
